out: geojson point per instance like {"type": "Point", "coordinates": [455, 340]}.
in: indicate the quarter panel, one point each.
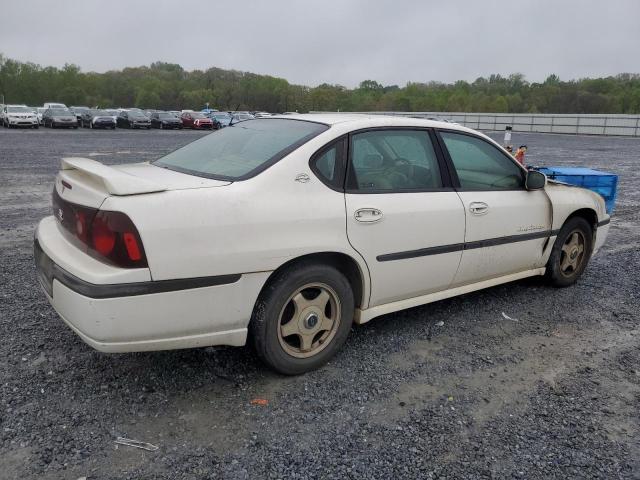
{"type": "Point", "coordinates": [248, 226]}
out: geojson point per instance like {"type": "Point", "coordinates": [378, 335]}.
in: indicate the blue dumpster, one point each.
{"type": "Point", "coordinates": [603, 183]}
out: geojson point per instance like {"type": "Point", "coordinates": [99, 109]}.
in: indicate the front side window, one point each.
{"type": "Point", "coordinates": [393, 160]}
{"type": "Point", "coordinates": [480, 165]}
{"type": "Point", "coordinates": [241, 150]}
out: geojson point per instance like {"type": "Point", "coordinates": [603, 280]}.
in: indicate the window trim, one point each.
{"type": "Point", "coordinates": [447, 185]}
{"type": "Point", "coordinates": [339, 168]}
{"type": "Point", "coordinates": [452, 169]}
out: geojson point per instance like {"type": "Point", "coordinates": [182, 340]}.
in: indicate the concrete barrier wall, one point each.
{"type": "Point", "coordinates": [614, 124]}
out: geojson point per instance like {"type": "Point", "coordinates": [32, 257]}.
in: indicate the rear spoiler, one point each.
{"type": "Point", "coordinates": [115, 181]}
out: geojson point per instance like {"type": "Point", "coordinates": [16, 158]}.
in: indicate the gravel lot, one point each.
{"type": "Point", "coordinates": [554, 393]}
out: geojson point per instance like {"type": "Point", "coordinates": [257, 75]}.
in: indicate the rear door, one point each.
{"type": "Point", "coordinates": [403, 216]}
{"type": "Point", "coordinates": [507, 226]}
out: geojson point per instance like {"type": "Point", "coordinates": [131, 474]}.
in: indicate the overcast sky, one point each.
{"type": "Point", "coordinates": [336, 41]}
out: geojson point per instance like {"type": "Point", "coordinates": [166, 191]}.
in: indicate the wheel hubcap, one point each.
{"type": "Point", "coordinates": [309, 320]}
{"type": "Point", "coordinates": [572, 253]}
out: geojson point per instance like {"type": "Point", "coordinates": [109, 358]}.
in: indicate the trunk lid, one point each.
{"type": "Point", "coordinates": [83, 181]}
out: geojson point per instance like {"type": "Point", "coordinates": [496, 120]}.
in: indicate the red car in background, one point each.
{"type": "Point", "coordinates": [196, 120]}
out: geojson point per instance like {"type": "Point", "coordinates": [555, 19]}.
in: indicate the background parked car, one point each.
{"type": "Point", "coordinates": [59, 117]}
{"type": "Point", "coordinates": [164, 120]}
{"type": "Point", "coordinates": [133, 119]}
{"type": "Point", "coordinates": [241, 116]}
{"type": "Point", "coordinates": [54, 105]}
{"type": "Point", "coordinates": [78, 111]}
{"type": "Point", "coordinates": [149, 111]}
{"type": "Point", "coordinates": [196, 120]}
{"type": "Point", "coordinates": [220, 119]}
{"type": "Point", "coordinates": [39, 112]}
{"type": "Point", "coordinates": [112, 112]}
{"type": "Point", "coordinates": [19, 116]}
{"type": "Point", "coordinates": [97, 119]}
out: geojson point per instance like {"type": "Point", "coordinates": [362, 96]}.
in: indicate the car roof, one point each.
{"type": "Point", "coordinates": [361, 120]}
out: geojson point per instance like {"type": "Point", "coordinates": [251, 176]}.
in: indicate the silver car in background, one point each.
{"type": "Point", "coordinates": [19, 116]}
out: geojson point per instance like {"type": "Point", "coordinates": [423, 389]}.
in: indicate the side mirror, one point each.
{"type": "Point", "coordinates": [535, 180]}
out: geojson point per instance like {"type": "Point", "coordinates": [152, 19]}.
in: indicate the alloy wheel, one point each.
{"type": "Point", "coordinates": [572, 254]}
{"type": "Point", "coordinates": [309, 320]}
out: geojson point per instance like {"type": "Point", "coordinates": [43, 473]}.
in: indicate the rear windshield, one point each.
{"type": "Point", "coordinates": [242, 150]}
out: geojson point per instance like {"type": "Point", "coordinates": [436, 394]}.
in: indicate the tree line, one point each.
{"type": "Point", "coordinates": [168, 86]}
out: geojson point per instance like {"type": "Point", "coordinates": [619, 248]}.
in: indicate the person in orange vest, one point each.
{"type": "Point", "coordinates": [522, 149]}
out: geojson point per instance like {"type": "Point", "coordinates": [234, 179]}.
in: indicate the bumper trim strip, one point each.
{"type": "Point", "coordinates": [114, 290]}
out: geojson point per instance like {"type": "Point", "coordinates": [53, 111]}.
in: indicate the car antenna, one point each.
{"type": "Point", "coordinates": [231, 122]}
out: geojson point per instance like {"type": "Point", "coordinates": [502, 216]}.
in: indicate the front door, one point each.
{"type": "Point", "coordinates": [507, 226]}
{"type": "Point", "coordinates": [403, 217]}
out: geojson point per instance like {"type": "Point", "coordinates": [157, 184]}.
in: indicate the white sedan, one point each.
{"type": "Point", "coordinates": [19, 116]}
{"type": "Point", "coordinates": [287, 230]}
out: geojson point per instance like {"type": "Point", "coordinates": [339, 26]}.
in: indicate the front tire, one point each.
{"type": "Point", "coordinates": [302, 318]}
{"type": "Point", "coordinates": [571, 253]}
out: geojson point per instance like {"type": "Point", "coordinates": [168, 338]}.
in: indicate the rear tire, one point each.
{"type": "Point", "coordinates": [571, 253]}
{"type": "Point", "coordinates": [302, 318]}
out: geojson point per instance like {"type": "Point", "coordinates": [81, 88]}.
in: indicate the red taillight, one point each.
{"type": "Point", "coordinates": [110, 236]}
{"type": "Point", "coordinates": [102, 237]}
{"type": "Point", "coordinates": [82, 227]}
{"type": "Point", "coordinates": [133, 249]}
{"type": "Point", "coordinates": [115, 237]}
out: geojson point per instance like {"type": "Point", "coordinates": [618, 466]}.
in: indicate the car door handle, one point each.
{"type": "Point", "coordinates": [478, 208]}
{"type": "Point", "coordinates": [368, 215]}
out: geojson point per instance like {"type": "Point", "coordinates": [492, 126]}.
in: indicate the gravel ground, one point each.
{"type": "Point", "coordinates": [553, 394]}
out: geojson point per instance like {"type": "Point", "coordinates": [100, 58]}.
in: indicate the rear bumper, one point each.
{"type": "Point", "coordinates": [144, 315]}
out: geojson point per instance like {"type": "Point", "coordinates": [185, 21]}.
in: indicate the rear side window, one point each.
{"type": "Point", "coordinates": [328, 164]}
{"type": "Point", "coordinates": [480, 165]}
{"type": "Point", "coordinates": [241, 150]}
{"type": "Point", "coordinates": [393, 160]}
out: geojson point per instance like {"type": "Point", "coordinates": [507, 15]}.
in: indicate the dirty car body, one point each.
{"type": "Point", "coordinates": [289, 229]}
